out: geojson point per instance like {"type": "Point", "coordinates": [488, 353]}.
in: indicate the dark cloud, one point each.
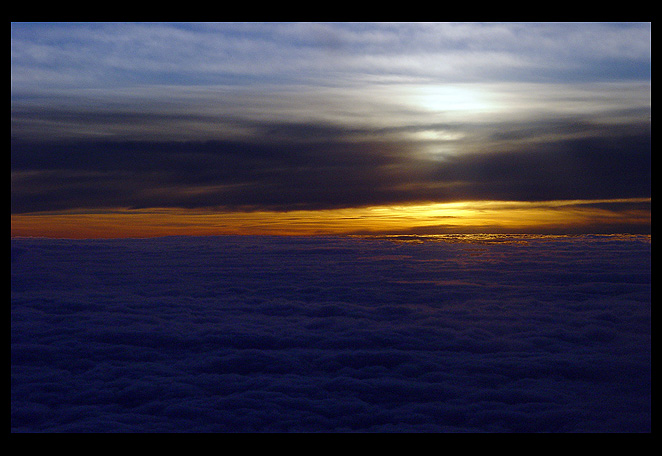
{"type": "Point", "coordinates": [584, 168]}
{"type": "Point", "coordinates": [264, 334]}
{"type": "Point", "coordinates": [312, 166]}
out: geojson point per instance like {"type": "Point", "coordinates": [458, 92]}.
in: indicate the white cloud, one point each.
{"type": "Point", "coordinates": [129, 53]}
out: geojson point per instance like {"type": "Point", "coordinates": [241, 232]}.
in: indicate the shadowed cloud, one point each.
{"type": "Point", "coordinates": [306, 173]}
{"type": "Point", "coordinates": [332, 334]}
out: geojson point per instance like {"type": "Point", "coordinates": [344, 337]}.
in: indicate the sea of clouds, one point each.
{"type": "Point", "coordinates": [332, 334]}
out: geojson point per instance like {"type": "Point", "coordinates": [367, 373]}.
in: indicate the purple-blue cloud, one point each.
{"type": "Point", "coordinates": [243, 334]}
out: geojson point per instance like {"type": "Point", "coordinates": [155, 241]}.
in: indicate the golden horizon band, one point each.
{"type": "Point", "coordinates": [455, 217]}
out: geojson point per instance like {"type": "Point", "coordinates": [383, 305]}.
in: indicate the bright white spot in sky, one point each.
{"type": "Point", "coordinates": [451, 98]}
{"type": "Point", "coordinates": [438, 135]}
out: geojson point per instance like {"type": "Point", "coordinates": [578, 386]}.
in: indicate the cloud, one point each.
{"type": "Point", "coordinates": [318, 167]}
{"type": "Point", "coordinates": [245, 334]}
{"type": "Point", "coordinates": [565, 169]}
{"type": "Point", "coordinates": [102, 54]}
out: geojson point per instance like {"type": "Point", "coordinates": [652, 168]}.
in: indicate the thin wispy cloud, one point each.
{"type": "Point", "coordinates": [126, 54]}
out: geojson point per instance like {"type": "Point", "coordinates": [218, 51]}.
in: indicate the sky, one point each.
{"type": "Point", "coordinates": [149, 129]}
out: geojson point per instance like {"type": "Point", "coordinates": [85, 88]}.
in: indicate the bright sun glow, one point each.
{"type": "Point", "coordinates": [436, 105]}
{"type": "Point", "coordinates": [452, 98]}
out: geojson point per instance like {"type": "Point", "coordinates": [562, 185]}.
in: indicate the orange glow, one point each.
{"type": "Point", "coordinates": [458, 217]}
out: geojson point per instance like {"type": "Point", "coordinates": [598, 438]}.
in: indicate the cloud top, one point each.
{"type": "Point", "coordinates": [360, 334]}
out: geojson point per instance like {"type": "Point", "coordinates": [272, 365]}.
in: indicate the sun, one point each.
{"type": "Point", "coordinates": [455, 99]}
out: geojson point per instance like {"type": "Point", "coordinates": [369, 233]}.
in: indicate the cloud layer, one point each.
{"type": "Point", "coordinates": [323, 173]}
{"type": "Point", "coordinates": [288, 334]}
{"type": "Point", "coordinates": [102, 54]}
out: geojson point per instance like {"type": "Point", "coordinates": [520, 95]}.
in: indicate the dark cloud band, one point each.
{"type": "Point", "coordinates": [331, 172]}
